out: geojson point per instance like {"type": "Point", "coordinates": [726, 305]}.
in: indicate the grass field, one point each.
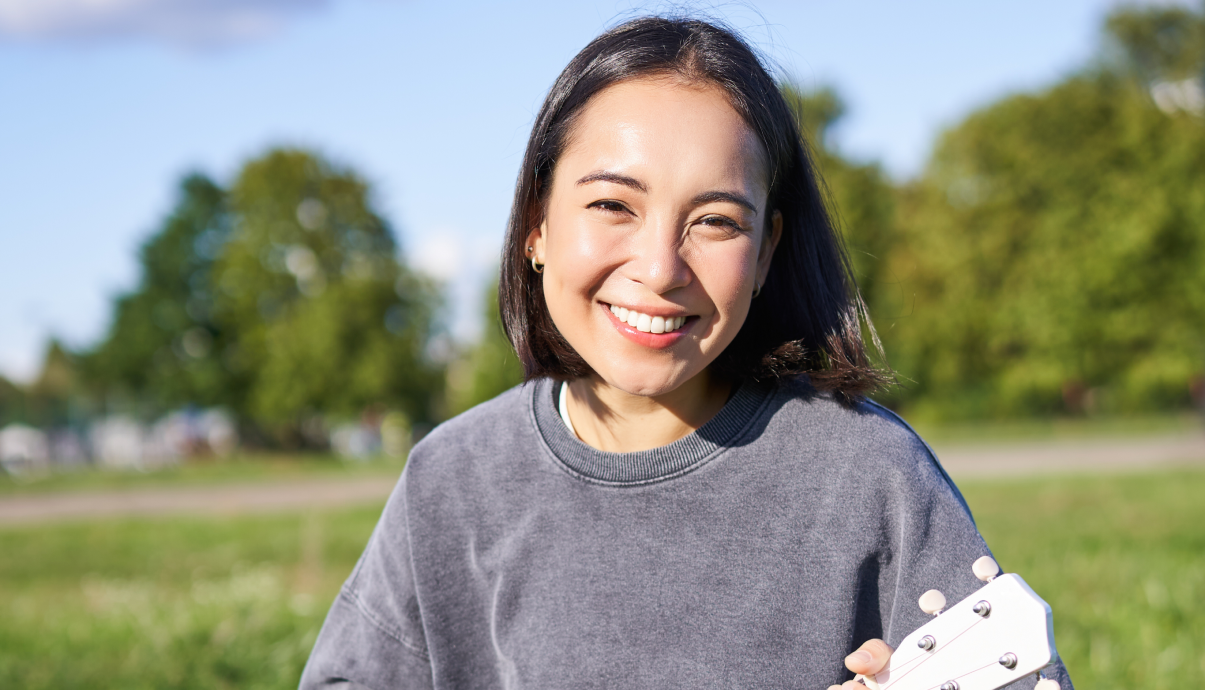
{"type": "Point", "coordinates": [237, 602]}
{"type": "Point", "coordinates": [1120, 559]}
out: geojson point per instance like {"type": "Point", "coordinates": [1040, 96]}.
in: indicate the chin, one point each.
{"type": "Point", "coordinates": [647, 381]}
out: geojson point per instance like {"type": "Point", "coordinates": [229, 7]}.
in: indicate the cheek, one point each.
{"type": "Point", "coordinates": [574, 270]}
{"type": "Point", "coordinates": [725, 272]}
{"type": "Point", "coordinates": [578, 252]}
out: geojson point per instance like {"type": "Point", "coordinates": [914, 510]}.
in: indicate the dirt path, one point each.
{"type": "Point", "coordinates": [962, 461]}
{"type": "Point", "coordinates": [1080, 455]}
{"type": "Point", "coordinates": [204, 500]}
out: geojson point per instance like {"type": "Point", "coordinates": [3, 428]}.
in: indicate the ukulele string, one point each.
{"type": "Point", "coordinates": [981, 668]}
{"type": "Point", "coordinates": [927, 656]}
{"type": "Point", "coordinates": [975, 670]}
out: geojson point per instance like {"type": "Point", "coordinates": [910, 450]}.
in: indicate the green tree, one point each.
{"type": "Point", "coordinates": [55, 396]}
{"type": "Point", "coordinates": [490, 367]}
{"type": "Point", "coordinates": [163, 347]}
{"type": "Point", "coordinates": [1052, 255]}
{"type": "Point", "coordinates": [322, 315]}
{"type": "Point", "coordinates": [12, 403]}
{"type": "Point", "coordinates": [1158, 43]}
{"type": "Point", "coordinates": [282, 299]}
{"type": "Point", "coordinates": [1048, 258]}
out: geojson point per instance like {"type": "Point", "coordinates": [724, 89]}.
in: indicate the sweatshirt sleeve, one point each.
{"type": "Point", "coordinates": [937, 543]}
{"type": "Point", "coordinates": [373, 635]}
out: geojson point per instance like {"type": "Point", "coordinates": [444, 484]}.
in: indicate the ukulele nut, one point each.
{"type": "Point", "coordinates": [950, 685]}
{"type": "Point", "coordinates": [926, 643]}
{"type": "Point", "coordinates": [1009, 661]}
{"type": "Point", "coordinates": [982, 608]}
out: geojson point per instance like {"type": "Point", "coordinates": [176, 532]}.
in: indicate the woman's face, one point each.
{"type": "Point", "coordinates": [654, 235]}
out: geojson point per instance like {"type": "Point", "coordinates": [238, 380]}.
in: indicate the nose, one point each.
{"type": "Point", "coordinates": [659, 256]}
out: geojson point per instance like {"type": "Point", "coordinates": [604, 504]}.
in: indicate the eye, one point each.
{"type": "Point", "coordinates": [720, 222]}
{"type": "Point", "coordinates": [609, 205]}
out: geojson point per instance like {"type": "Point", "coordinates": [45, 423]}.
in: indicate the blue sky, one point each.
{"type": "Point", "coordinates": [104, 104]}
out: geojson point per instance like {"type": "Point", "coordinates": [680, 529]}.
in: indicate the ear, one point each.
{"type": "Point", "coordinates": [535, 240]}
{"type": "Point", "coordinates": [769, 242]}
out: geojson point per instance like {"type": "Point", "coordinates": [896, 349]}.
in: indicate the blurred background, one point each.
{"type": "Point", "coordinates": [248, 255]}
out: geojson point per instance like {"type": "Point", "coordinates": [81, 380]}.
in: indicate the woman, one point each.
{"type": "Point", "coordinates": [691, 490]}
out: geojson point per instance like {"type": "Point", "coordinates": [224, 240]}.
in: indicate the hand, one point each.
{"type": "Point", "coordinates": [870, 658]}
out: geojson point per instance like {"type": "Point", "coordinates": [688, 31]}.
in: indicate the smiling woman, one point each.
{"type": "Point", "coordinates": [692, 489]}
{"type": "Point", "coordinates": [643, 227]}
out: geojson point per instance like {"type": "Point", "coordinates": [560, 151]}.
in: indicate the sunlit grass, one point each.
{"type": "Point", "coordinates": [182, 603]}
{"type": "Point", "coordinates": [1120, 559]}
{"type": "Point", "coordinates": [236, 602]}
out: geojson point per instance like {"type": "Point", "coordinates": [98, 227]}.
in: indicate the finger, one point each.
{"type": "Point", "coordinates": [870, 658]}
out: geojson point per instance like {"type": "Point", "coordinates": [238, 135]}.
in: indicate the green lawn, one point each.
{"type": "Point", "coordinates": [179, 602]}
{"type": "Point", "coordinates": [1120, 559]}
{"type": "Point", "coordinates": [236, 602]}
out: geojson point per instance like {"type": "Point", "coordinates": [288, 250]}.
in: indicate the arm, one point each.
{"type": "Point", "coordinates": [933, 542]}
{"type": "Point", "coordinates": [373, 636]}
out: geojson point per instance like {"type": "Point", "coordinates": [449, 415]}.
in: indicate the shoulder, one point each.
{"type": "Point", "coordinates": [491, 426]}
{"type": "Point", "coordinates": [475, 445]}
{"type": "Point", "coordinates": [481, 425]}
{"type": "Point", "coordinates": [862, 427]}
{"type": "Point", "coordinates": [865, 439]}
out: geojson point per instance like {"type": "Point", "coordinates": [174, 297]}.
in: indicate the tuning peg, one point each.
{"type": "Point", "coordinates": [985, 568]}
{"type": "Point", "coordinates": [932, 602]}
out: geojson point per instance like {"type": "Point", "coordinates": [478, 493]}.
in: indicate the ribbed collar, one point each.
{"type": "Point", "coordinates": [645, 466]}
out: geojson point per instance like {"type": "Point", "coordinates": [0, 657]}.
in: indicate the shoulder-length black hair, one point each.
{"type": "Point", "coordinates": [808, 318]}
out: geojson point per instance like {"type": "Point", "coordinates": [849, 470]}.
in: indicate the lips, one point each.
{"type": "Point", "coordinates": [642, 332]}
{"type": "Point", "coordinates": [646, 323]}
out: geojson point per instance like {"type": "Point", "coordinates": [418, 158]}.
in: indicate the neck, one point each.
{"type": "Point", "coordinates": [612, 420]}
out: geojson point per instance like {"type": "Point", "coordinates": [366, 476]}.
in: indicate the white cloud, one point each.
{"type": "Point", "coordinates": [183, 23]}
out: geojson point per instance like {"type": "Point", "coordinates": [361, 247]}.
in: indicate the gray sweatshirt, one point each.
{"type": "Point", "coordinates": [756, 552]}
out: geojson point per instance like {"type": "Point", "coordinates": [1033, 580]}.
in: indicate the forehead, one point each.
{"type": "Point", "coordinates": [666, 126]}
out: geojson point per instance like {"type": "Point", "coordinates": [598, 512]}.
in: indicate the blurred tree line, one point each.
{"type": "Point", "coordinates": [284, 299]}
{"type": "Point", "coordinates": [1050, 259]}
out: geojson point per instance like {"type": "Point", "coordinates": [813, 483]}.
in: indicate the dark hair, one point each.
{"type": "Point", "coordinates": [808, 317]}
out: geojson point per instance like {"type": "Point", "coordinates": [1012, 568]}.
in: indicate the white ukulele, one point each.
{"type": "Point", "coordinates": [994, 637]}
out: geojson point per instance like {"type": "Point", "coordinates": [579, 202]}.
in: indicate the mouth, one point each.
{"type": "Point", "coordinates": [647, 323]}
{"type": "Point", "coordinates": [656, 331]}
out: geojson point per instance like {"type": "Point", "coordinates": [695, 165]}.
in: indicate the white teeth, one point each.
{"type": "Point", "coordinates": [648, 324]}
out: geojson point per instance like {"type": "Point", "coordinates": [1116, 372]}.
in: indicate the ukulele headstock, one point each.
{"type": "Point", "coordinates": [996, 636]}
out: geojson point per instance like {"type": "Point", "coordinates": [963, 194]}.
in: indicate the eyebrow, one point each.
{"type": "Point", "coordinates": [699, 200]}
{"type": "Point", "coordinates": [730, 197]}
{"type": "Point", "coordinates": [616, 178]}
